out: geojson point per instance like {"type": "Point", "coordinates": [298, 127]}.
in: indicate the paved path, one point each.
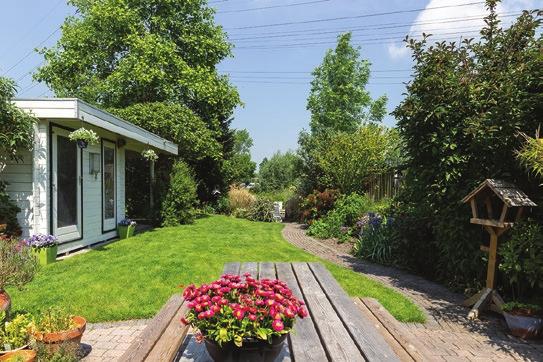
{"type": "Point", "coordinates": [108, 341]}
{"type": "Point", "coordinates": [448, 334]}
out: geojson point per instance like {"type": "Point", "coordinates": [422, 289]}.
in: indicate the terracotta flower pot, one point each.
{"type": "Point", "coordinates": [257, 350]}
{"type": "Point", "coordinates": [24, 355]}
{"type": "Point", "coordinates": [54, 340]}
{"type": "Point", "coordinates": [524, 326]}
{"type": "Point", "coordinates": [5, 301]}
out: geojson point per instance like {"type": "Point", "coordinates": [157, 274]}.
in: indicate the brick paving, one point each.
{"type": "Point", "coordinates": [108, 341]}
{"type": "Point", "coordinates": [448, 335]}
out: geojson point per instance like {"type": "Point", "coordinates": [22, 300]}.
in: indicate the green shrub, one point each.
{"type": "Point", "coordinates": [178, 207]}
{"type": "Point", "coordinates": [240, 198]}
{"type": "Point", "coordinates": [522, 259]}
{"type": "Point", "coordinates": [339, 222]}
{"type": "Point", "coordinates": [8, 213]}
{"type": "Point", "coordinates": [222, 206]}
{"type": "Point", "coordinates": [282, 195]}
{"type": "Point", "coordinates": [14, 332]}
{"type": "Point", "coordinates": [375, 241]}
{"type": "Point", "coordinates": [262, 210]}
{"type": "Point", "coordinates": [17, 263]}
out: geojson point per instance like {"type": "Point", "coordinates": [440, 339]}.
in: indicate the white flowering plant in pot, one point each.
{"type": "Point", "coordinates": [149, 155]}
{"type": "Point", "coordinates": [84, 137]}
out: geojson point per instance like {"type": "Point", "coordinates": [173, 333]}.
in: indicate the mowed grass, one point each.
{"type": "Point", "coordinates": [133, 278]}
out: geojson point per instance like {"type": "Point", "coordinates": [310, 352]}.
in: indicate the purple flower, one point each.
{"type": "Point", "coordinates": [127, 222]}
{"type": "Point", "coordinates": [39, 241]}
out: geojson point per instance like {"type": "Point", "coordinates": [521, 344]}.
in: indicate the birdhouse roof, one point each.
{"type": "Point", "coordinates": [510, 194]}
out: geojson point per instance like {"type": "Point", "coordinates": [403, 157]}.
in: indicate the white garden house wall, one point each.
{"type": "Point", "coordinates": [44, 183]}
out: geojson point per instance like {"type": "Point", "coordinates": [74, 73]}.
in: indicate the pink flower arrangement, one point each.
{"type": "Point", "coordinates": [233, 310]}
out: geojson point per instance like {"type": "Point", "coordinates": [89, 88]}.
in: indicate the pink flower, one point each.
{"type": "Point", "coordinates": [239, 314]}
{"type": "Point", "coordinates": [184, 321]}
{"type": "Point", "coordinates": [252, 317]}
{"type": "Point", "coordinates": [198, 307]}
{"type": "Point", "coordinates": [289, 313]}
{"type": "Point", "coordinates": [224, 290]}
{"type": "Point", "coordinates": [201, 315]}
{"type": "Point", "coordinates": [215, 308]}
{"type": "Point", "coordinates": [278, 325]}
{"type": "Point", "coordinates": [302, 313]}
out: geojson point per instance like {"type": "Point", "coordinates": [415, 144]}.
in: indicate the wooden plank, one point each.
{"type": "Point", "coordinates": [144, 343]}
{"type": "Point", "coordinates": [411, 344]}
{"type": "Point", "coordinates": [370, 342]}
{"type": "Point", "coordinates": [304, 340]}
{"type": "Point", "coordinates": [396, 346]}
{"type": "Point", "coordinates": [171, 340]}
{"type": "Point", "coordinates": [492, 256]}
{"type": "Point", "coordinates": [251, 268]}
{"type": "Point", "coordinates": [503, 214]}
{"type": "Point", "coordinates": [494, 223]}
{"type": "Point", "coordinates": [231, 268]}
{"type": "Point", "coordinates": [266, 271]}
{"type": "Point", "coordinates": [481, 303]}
{"type": "Point", "coordinates": [336, 339]}
{"type": "Point", "coordinates": [474, 212]}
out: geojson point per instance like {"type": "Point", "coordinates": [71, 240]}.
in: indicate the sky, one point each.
{"type": "Point", "coordinates": [277, 43]}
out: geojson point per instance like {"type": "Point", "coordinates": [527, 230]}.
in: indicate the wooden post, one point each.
{"type": "Point", "coordinates": [492, 255]}
{"type": "Point", "coordinates": [151, 184]}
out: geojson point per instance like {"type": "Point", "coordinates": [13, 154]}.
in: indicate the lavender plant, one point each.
{"type": "Point", "coordinates": [39, 241]}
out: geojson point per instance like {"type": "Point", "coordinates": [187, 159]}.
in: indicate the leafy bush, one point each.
{"type": "Point", "coordinates": [8, 213]}
{"type": "Point", "coordinates": [14, 332]}
{"type": "Point", "coordinates": [178, 207]}
{"type": "Point", "coordinates": [240, 198]}
{"type": "Point", "coordinates": [339, 222]}
{"type": "Point", "coordinates": [522, 259]}
{"type": "Point", "coordinates": [282, 195]}
{"type": "Point", "coordinates": [293, 207]}
{"type": "Point", "coordinates": [279, 172]}
{"type": "Point", "coordinates": [222, 205]}
{"type": "Point", "coordinates": [67, 352]}
{"type": "Point", "coordinates": [375, 241]}
{"type": "Point", "coordinates": [262, 210]}
{"type": "Point", "coordinates": [460, 120]}
{"type": "Point", "coordinates": [53, 320]}
{"type": "Point", "coordinates": [317, 204]}
{"type": "Point", "coordinates": [18, 265]}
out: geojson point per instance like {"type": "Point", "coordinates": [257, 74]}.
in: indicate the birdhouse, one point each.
{"type": "Point", "coordinates": [496, 205]}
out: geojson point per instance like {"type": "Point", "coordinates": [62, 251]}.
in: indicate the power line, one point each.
{"type": "Point", "coordinates": [272, 7]}
{"type": "Point", "coordinates": [303, 83]}
{"type": "Point", "coordinates": [303, 72]}
{"type": "Point", "coordinates": [304, 78]}
{"type": "Point", "coordinates": [355, 16]}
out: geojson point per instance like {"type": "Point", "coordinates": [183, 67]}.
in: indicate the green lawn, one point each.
{"type": "Point", "coordinates": [133, 278]}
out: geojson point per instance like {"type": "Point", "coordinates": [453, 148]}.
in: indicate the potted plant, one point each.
{"type": "Point", "coordinates": [45, 248]}
{"type": "Point", "coordinates": [18, 267]}
{"type": "Point", "coordinates": [521, 260]}
{"type": "Point", "coordinates": [23, 355]}
{"type": "Point", "coordinates": [149, 155]}
{"type": "Point", "coordinates": [84, 137]}
{"type": "Point", "coordinates": [56, 329]}
{"type": "Point", "coordinates": [233, 316]}
{"type": "Point", "coordinates": [126, 228]}
{"type": "Point", "coordinates": [14, 333]}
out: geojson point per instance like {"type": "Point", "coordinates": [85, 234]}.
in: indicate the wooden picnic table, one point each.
{"type": "Point", "coordinates": [335, 329]}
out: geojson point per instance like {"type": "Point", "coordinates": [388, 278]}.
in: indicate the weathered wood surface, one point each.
{"type": "Point", "coordinates": [171, 340]}
{"type": "Point", "coordinates": [146, 341]}
{"type": "Point", "coordinates": [335, 330]}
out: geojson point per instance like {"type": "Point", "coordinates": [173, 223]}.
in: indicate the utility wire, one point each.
{"type": "Point", "coordinates": [271, 7]}
{"type": "Point", "coordinates": [355, 16]}
{"type": "Point", "coordinates": [302, 72]}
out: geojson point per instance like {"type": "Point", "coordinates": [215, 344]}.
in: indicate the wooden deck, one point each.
{"type": "Point", "coordinates": [337, 329]}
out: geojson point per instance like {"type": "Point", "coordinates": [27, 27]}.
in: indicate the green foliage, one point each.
{"type": "Point", "coordinates": [278, 172]}
{"type": "Point", "coordinates": [83, 134]}
{"type": "Point", "coordinates": [347, 160]}
{"type": "Point", "coordinates": [16, 126]}
{"type": "Point", "coordinates": [521, 259]}
{"type": "Point", "coordinates": [159, 57]}
{"type": "Point", "coordinates": [17, 263]}
{"type": "Point", "coordinates": [376, 240]}
{"type": "Point", "coordinates": [460, 121]}
{"type": "Point", "coordinates": [67, 352]}
{"type": "Point", "coordinates": [178, 207]}
{"type": "Point", "coordinates": [317, 204]}
{"type": "Point", "coordinates": [531, 154]}
{"type": "Point", "coordinates": [282, 195]}
{"type": "Point", "coordinates": [527, 308]}
{"type": "Point", "coordinates": [339, 221]}
{"type": "Point", "coordinates": [240, 167]}
{"type": "Point", "coordinates": [8, 212]}
{"type": "Point", "coordinates": [14, 332]}
{"type": "Point", "coordinates": [339, 100]}
{"type": "Point", "coordinates": [53, 320]}
{"type": "Point", "coordinates": [261, 210]}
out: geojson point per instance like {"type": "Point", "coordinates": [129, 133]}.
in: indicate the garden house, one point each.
{"type": "Point", "coordinates": [74, 193]}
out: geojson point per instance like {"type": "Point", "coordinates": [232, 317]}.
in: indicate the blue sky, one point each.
{"type": "Point", "coordinates": [278, 43]}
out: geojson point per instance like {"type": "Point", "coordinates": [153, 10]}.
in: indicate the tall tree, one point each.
{"type": "Point", "coordinates": [338, 100]}
{"type": "Point", "coordinates": [279, 171]}
{"type": "Point", "coordinates": [240, 167]}
{"type": "Point", "coordinates": [460, 120]}
{"type": "Point", "coordinates": [121, 53]}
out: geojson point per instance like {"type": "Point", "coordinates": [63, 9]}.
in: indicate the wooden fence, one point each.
{"type": "Point", "coordinates": [383, 186]}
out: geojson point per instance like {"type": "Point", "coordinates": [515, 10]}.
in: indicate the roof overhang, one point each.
{"type": "Point", "coordinates": [73, 108]}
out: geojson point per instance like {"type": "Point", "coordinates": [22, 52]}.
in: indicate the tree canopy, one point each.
{"type": "Point", "coordinates": [240, 167]}
{"type": "Point", "coordinates": [460, 120]}
{"type": "Point", "coordinates": [16, 126]}
{"type": "Point", "coordinates": [279, 171]}
{"type": "Point", "coordinates": [122, 53]}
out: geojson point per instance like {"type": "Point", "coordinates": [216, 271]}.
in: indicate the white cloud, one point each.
{"type": "Point", "coordinates": [455, 22]}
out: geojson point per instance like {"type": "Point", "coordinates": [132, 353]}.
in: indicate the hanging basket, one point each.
{"type": "Point", "coordinates": [84, 137]}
